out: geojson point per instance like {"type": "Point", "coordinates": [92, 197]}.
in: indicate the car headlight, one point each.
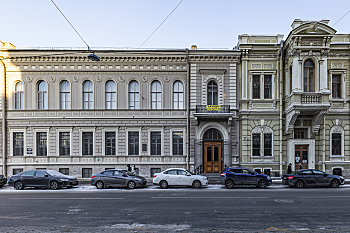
{"type": "Point", "coordinates": [64, 179]}
{"type": "Point", "coordinates": [268, 177]}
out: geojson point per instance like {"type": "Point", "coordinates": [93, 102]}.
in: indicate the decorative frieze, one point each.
{"type": "Point", "coordinates": [337, 65]}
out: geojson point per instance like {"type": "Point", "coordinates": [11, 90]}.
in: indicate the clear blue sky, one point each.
{"type": "Point", "coordinates": [128, 23]}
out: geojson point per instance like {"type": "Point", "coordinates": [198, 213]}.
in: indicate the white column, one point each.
{"type": "Point", "coordinates": [297, 75]}
{"type": "Point", "coordinates": [323, 76]}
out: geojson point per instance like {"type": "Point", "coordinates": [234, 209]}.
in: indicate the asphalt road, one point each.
{"type": "Point", "coordinates": [176, 210]}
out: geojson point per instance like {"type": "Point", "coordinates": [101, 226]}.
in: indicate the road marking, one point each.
{"type": "Point", "coordinates": [68, 198]}
{"type": "Point", "coordinates": [274, 228]}
{"type": "Point", "coordinates": [210, 197]}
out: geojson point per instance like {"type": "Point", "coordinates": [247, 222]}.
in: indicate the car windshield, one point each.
{"type": "Point", "coordinates": [190, 172]}
{"type": "Point", "coordinates": [54, 173]}
{"type": "Point", "coordinates": [128, 173]}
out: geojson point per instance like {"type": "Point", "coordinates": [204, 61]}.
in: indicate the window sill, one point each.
{"type": "Point", "coordinates": [337, 156]}
{"type": "Point", "coordinates": [257, 157]}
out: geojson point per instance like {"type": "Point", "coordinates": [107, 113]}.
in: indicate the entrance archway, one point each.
{"type": "Point", "coordinates": [212, 151]}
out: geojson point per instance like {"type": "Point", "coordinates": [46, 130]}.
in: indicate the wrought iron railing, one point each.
{"type": "Point", "coordinates": [212, 108]}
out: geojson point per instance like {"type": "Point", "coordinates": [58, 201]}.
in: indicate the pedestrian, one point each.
{"type": "Point", "coordinates": [129, 167]}
{"type": "Point", "coordinates": [289, 170]}
{"type": "Point", "coordinates": [300, 166]}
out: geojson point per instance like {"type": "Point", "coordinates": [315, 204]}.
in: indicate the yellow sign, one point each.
{"type": "Point", "coordinates": [213, 107]}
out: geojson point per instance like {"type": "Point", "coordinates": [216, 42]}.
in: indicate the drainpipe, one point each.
{"type": "Point", "coordinates": [281, 110]}
{"type": "Point", "coordinates": [188, 112]}
{"type": "Point", "coordinates": [324, 146]}
{"type": "Point", "coordinates": [3, 112]}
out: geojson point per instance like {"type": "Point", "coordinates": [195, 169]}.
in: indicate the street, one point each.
{"type": "Point", "coordinates": [213, 209]}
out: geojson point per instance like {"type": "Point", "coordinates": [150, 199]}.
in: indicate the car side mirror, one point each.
{"type": "Point", "coordinates": [188, 174]}
{"type": "Point", "coordinates": [253, 173]}
{"type": "Point", "coordinates": [125, 175]}
{"type": "Point", "coordinates": [46, 175]}
{"type": "Point", "coordinates": [325, 174]}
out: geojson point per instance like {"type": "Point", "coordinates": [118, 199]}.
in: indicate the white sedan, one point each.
{"type": "Point", "coordinates": [179, 177]}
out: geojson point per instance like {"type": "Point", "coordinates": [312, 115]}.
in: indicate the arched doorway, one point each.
{"type": "Point", "coordinates": [212, 156]}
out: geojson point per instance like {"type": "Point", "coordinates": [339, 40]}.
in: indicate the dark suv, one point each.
{"type": "Point", "coordinates": [243, 176]}
{"type": "Point", "coordinates": [3, 181]}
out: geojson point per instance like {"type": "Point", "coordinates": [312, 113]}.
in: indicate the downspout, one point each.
{"type": "Point", "coordinates": [188, 112]}
{"type": "Point", "coordinates": [3, 112]}
{"type": "Point", "coordinates": [324, 146]}
{"type": "Point", "coordinates": [281, 110]}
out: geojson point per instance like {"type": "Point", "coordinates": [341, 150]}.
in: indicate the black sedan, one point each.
{"type": "Point", "coordinates": [312, 178]}
{"type": "Point", "coordinates": [117, 178]}
{"type": "Point", "coordinates": [42, 178]}
{"type": "Point", "coordinates": [3, 181]}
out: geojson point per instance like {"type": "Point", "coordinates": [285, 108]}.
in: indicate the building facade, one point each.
{"type": "Point", "coordinates": [266, 103]}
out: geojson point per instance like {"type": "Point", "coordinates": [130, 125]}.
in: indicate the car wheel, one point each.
{"type": "Point", "coordinates": [99, 185]}
{"type": "Point", "coordinates": [1, 186]}
{"type": "Point", "coordinates": [196, 184]}
{"type": "Point", "coordinates": [19, 185]}
{"type": "Point", "coordinates": [131, 185]}
{"type": "Point", "coordinates": [229, 184]}
{"type": "Point", "coordinates": [163, 184]}
{"type": "Point", "coordinates": [262, 184]}
{"type": "Point", "coordinates": [299, 184]}
{"type": "Point", "coordinates": [54, 185]}
{"type": "Point", "coordinates": [335, 183]}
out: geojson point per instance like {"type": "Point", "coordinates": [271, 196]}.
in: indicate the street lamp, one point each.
{"type": "Point", "coordinates": [93, 57]}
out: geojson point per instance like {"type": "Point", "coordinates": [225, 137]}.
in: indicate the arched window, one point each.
{"type": "Point", "coordinates": [19, 95]}
{"type": "Point", "coordinates": [111, 101]}
{"type": "Point", "coordinates": [88, 95]}
{"type": "Point", "coordinates": [212, 93]}
{"type": "Point", "coordinates": [156, 95]}
{"type": "Point", "coordinates": [178, 95]}
{"type": "Point", "coordinates": [42, 95]}
{"type": "Point", "coordinates": [212, 134]}
{"type": "Point", "coordinates": [134, 95]}
{"type": "Point", "coordinates": [262, 141]}
{"type": "Point", "coordinates": [309, 76]}
{"type": "Point", "coordinates": [65, 95]}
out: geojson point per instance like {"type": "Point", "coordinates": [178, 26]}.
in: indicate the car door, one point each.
{"type": "Point", "coordinates": [250, 176]}
{"type": "Point", "coordinates": [107, 178]}
{"type": "Point", "coordinates": [119, 179]}
{"type": "Point", "coordinates": [238, 176]}
{"type": "Point", "coordinates": [41, 179]}
{"type": "Point", "coordinates": [184, 178]}
{"type": "Point", "coordinates": [308, 177]}
{"type": "Point", "coordinates": [171, 177]}
{"type": "Point", "coordinates": [28, 178]}
{"type": "Point", "coordinates": [321, 178]}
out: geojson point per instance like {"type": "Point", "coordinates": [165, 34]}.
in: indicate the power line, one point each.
{"type": "Point", "coordinates": [71, 24]}
{"type": "Point", "coordinates": [161, 23]}
{"type": "Point", "coordinates": [341, 18]}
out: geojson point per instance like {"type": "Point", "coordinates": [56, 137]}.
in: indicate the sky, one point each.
{"type": "Point", "coordinates": [209, 24]}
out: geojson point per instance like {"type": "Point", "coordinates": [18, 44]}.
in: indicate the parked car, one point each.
{"type": "Point", "coordinates": [179, 177]}
{"type": "Point", "coordinates": [42, 178]}
{"type": "Point", "coordinates": [117, 178]}
{"type": "Point", "coordinates": [3, 181]}
{"type": "Point", "coordinates": [243, 176]}
{"type": "Point", "coordinates": [311, 178]}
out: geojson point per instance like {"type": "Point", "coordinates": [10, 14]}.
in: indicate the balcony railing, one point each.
{"type": "Point", "coordinates": [310, 98]}
{"type": "Point", "coordinates": [213, 109]}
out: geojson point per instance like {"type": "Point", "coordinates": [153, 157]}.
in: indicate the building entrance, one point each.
{"type": "Point", "coordinates": [212, 157]}
{"type": "Point", "coordinates": [301, 156]}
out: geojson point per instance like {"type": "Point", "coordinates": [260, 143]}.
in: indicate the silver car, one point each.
{"type": "Point", "coordinates": [117, 178]}
{"type": "Point", "coordinates": [179, 177]}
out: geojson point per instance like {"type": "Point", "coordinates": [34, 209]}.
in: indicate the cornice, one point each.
{"type": "Point", "coordinates": [104, 72]}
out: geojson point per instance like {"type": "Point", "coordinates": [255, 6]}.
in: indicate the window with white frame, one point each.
{"type": "Point", "coordinates": [337, 141]}
{"type": "Point", "coordinates": [262, 141]}
{"type": "Point", "coordinates": [41, 143]}
{"type": "Point", "coordinates": [134, 95]}
{"type": "Point", "coordinates": [156, 143]}
{"type": "Point", "coordinates": [262, 86]}
{"type": "Point", "coordinates": [87, 143]}
{"type": "Point", "coordinates": [133, 143]}
{"type": "Point", "coordinates": [64, 95]}
{"type": "Point", "coordinates": [19, 95]}
{"type": "Point", "coordinates": [110, 143]}
{"type": "Point", "coordinates": [18, 143]}
{"type": "Point", "coordinates": [309, 76]}
{"type": "Point", "coordinates": [178, 95]}
{"type": "Point", "coordinates": [88, 95]}
{"type": "Point", "coordinates": [156, 95]}
{"type": "Point", "coordinates": [336, 86]}
{"type": "Point", "coordinates": [111, 95]}
{"type": "Point", "coordinates": [212, 93]}
{"type": "Point", "coordinates": [42, 95]}
{"type": "Point", "coordinates": [178, 141]}
{"type": "Point", "coordinates": [64, 143]}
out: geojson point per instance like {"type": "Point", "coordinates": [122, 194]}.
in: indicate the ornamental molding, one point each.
{"type": "Point", "coordinates": [144, 78]}
{"type": "Point", "coordinates": [220, 82]}
{"type": "Point", "coordinates": [29, 79]}
{"type": "Point", "coordinates": [52, 79]}
{"type": "Point", "coordinates": [337, 129]}
{"type": "Point", "coordinates": [75, 78]}
{"type": "Point", "coordinates": [166, 79]}
{"type": "Point", "coordinates": [337, 65]}
{"type": "Point", "coordinates": [262, 129]}
{"type": "Point", "coordinates": [98, 79]}
{"type": "Point", "coordinates": [290, 120]}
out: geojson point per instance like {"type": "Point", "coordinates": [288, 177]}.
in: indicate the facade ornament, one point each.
{"type": "Point", "coordinates": [295, 52]}
{"type": "Point", "coordinates": [98, 79]}
{"type": "Point", "coordinates": [256, 66]}
{"type": "Point", "coordinates": [337, 65]}
{"type": "Point", "coordinates": [337, 129]}
{"type": "Point", "coordinates": [75, 78]}
{"type": "Point", "coordinates": [144, 78]}
{"type": "Point", "coordinates": [290, 120]}
{"type": "Point", "coordinates": [29, 79]}
{"type": "Point", "coordinates": [316, 121]}
{"type": "Point", "coordinates": [52, 79]}
{"type": "Point", "coordinates": [324, 51]}
{"type": "Point", "coordinates": [121, 78]}
{"type": "Point", "coordinates": [166, 79]}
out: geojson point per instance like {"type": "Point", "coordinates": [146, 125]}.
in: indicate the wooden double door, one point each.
{"type": "Point", "coordinates": [212, 157]}
{"type": "Point", "coordinates": [301, 156]}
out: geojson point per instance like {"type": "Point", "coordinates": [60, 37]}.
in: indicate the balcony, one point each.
{"type": "Point", "coordinates": [312, 104]}
{"type": "Point", "coordinates": [213, 112]}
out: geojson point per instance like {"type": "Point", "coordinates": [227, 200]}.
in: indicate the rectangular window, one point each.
{"type": "Point", "coordinates": [64, 171]}
{"type": "Point", "coordinates": [336, 144]}
{"type": "Point", "coordinates": [18, 144]}
{"type": "Point", "coordinates": [178, 142]}
{"type": "Point", "coordinates": [336, 86]}
{"type": "Point", "coordinates": [87, 173]}
{"type": "Point", "coordinates": [300, 133]}
{"type": "Point", "coordinates": [133, 139]}
{"type": "Point", "coordinates": [256, 86]}
{"type": "Point", "coordinates": [267, 144]}
{"type": "Point", "coordinates": [110, 143]}
{"type": "Point", "coordinates": [267, 86]}
{"type": "Point", "coordinates": [41, 144]}
{"type": "Point", "coordinates": [154, 171]}
{"type": "Point", "coordinates": [64, 143]}
{"type": "Point", "coordinates": [17, 171]}
{"type": "Point", "coordinates": [88, 142]}
{"type": "Point", "coordinates": [256, 144]}
{"type": "Point", "coordinates": [156, 143]}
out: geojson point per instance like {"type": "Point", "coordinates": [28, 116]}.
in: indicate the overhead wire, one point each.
{"type": "Point", "coordinates": [160, 23]}
{"type": "Point", "coordinates": [342, 16]}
